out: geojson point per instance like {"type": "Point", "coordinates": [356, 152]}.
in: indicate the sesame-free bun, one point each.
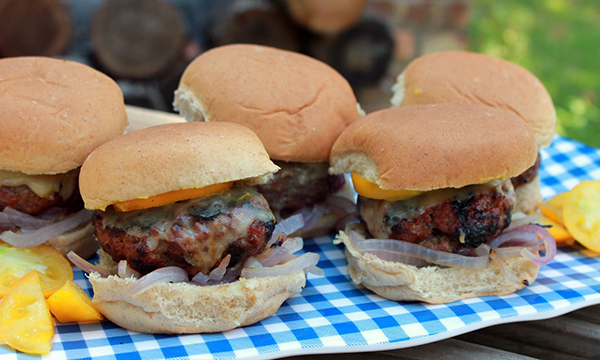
{"type": "Point", "coordinates": [177, 308]}
{"type": "Point", "coordinates": [171, 157]}
{"type": "Point", "coordinates": [433, 284]}
{"type": "Point", "coordinates": [427, 147]}
{"type": "Point", "coordinates": [464, 77]}
{"type": "Point", "coordinates": [327, 17]}
{"type": "Point", "coordinates": [295, 104]}
{"type": "Point", "coordinates": [79, 240]}
{"type": "Point", "coordinates": [53, 113]}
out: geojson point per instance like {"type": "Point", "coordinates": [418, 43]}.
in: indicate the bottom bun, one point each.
{"type": "Point", "coordinates": [79, 240]}
{"type": "Point", "coordinates": [433, 284]}
{"type": "Point", "coordinates": [181, 308]}
{"type": "Point", "coordinates": [528, 196]}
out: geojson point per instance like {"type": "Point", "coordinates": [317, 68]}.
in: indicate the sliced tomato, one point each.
{"type": "Point", "coordinates": [25, 321]}
{"type": "Point", "coordinates": [553, 207]}
{"type": "Point", "coordinates": [71, 304]}
{"type": "Point", "coordinates": [53, 268]}
{"type": "Point", "coordinates": [582, 214]}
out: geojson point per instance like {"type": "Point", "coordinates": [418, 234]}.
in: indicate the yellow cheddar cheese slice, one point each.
{"type": "Point", "coordinates": [171, 197]}
{"type": "Point", "coordinates": [370, 190]}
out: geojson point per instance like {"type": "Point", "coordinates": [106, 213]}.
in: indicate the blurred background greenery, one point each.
{"type": "Point", "coordinates": [558, 41]}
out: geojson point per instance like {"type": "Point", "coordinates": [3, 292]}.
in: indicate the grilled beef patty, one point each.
{"type": "Point", "coordinates": [299, 185]}
{"type": "Point", "coordinates": [195, 234]}
{"type": "Point", "coordinates": [528, 175]}
{"type": "Point", "coordinates": [450, 220]}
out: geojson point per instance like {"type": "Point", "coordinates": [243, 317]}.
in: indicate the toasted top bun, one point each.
{"type": "Point", "coordinates": [295, 104]}
{"type": "Point", "coordinates": [426, 147]}
{"type": "Point", "coordinates": [463, 77]}
{"type": "Point", "coordinates": [171, 157]}
{"type": "Point", "coordinates": [327, 17]}
{"type": "Point", "coordinates": [53, 113]}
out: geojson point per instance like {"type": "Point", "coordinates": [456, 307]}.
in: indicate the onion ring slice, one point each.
{"type": "Point", "coordinates": [41, 235]}
{"type": "Point", "coordinates": [417, 251]}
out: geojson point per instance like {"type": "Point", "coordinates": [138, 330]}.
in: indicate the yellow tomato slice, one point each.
{"type": "Point", "coordinates": [54, 269]}
{"type": "Point", "coordinates": [26, 323]}
{"type": "Point", "coordinates": [582, 214]}
{"type": "Point", "coordinates": [553, 207]}
{"type": "Point", "coordinates": [558, 231]}
{"type": "Point", "coordinates": [71, 304]}
{"type": "Point", "coordinates": [370, 190]}
{"type": "Point", "coordinates": [171, 197]}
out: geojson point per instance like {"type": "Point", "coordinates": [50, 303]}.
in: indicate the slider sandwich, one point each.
{"type": "Point", "coordinates": [435, 203]}
{"type": "Point", "coordinates": [296, 105]}
{"type": "Point", "coordinates": [53, 113]}
{"type": "Point", "coordinates": [470, 78]}
{"type": "Point", "coordinates": [188, 245]}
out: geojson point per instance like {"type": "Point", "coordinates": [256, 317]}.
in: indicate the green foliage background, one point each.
{"type": "Point", "coordinates": [558, 41]}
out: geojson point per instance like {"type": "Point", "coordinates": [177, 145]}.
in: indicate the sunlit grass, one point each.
{"type": "Point", "coordinates": [558, 41]}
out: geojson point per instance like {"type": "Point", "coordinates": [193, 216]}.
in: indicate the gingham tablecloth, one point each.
{"type": "Point", "coordinates": [331, 315]}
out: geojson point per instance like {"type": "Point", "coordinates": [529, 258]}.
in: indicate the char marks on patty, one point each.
{"type": "Point", "coordinates": [450, 220]}
{"type": "Point", "coordinates": [195, 234]}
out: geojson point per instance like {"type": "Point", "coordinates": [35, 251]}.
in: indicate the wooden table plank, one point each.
{"type": "Point", "coordinates": [572, 336]}
{"type": "Point", "coordinates": [450, 349]}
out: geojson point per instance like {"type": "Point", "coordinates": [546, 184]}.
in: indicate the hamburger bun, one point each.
{"type": "Point", "coordinates": [179, 308]}
{"type": "Point", "coordinates": [53, 113]}
{"type": "Point", "coordinates": [432, 284]}
{"type": "Point", "coordinates": [168, 158]}
{"type": "Point", "coordinates": [295, 104]}
{"type": "Point", "coordinates": [188, 156]}
{"type": "Point", "coordinates": [470, 78]}
{"type": "Point", "coordinates": [464, 77]}
{"type": "Point", "coordinates": [327, 17]}
{"type": "Point", "coordinates": [429, 147]}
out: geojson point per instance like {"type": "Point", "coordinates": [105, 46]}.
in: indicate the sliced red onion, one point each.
{"type": "Point", "coordinates": [125, 271]}
{"type": "Point", "coordinates": [217, 273]}
{"type": "Point", "coordinates": [289, 225]}
{"type": "Point", "coordinates": [41, 235]}
{"type": "Point", "coordinates": [291, 267]}
{"type": "Point", "coordinates": [340, 204]}
{"type": "Point", "coordinates": [313, 217]}
{"type": "Point", "coordinates": [520, 221]}
{"type": "Point", "coordinates": [403, 248]}
{"type": "Point", "coordinates": [163, 275]}
{"type": "Point", "coordinates": [549, 245]}
{"type": "Point", "coordinates": [273, 256]}
{"type": "Point", "coordinates": [252, 262]}
{"type": "Point", "coordinates": [22, 220]}
{"type": "Point", "coordinates": [293, 244]}
{"type": "Point", "coordinates": [232, 273]}
{"type": "Point", "coordinates": [200, 279]}
{"type": "Point", "coordinates": [87, 266]}
{"type": "Point", "coordinates": [515, 251]}
{"type": "Point", "coordinates": [313, 269]}
{"type": "Point", "coordinates": [481, 250]}
{"type": "Point", "coordinates": [398, 257]}
{"type": "Point", "coordinates": [518, 235]}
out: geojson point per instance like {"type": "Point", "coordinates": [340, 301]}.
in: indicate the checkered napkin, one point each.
{"type": "Point", "coordinates": [332, 315]}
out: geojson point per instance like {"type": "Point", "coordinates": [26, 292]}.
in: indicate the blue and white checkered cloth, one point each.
{"type": "Point", "coordinates": [332, 315]}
